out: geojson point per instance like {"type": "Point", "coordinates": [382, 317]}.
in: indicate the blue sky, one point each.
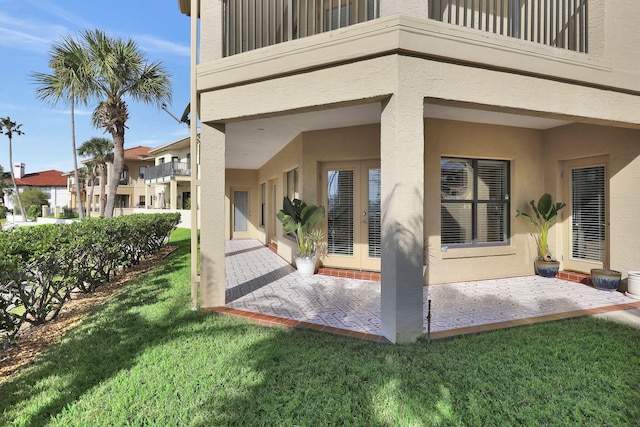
{"type": "Point", "coordinates": [27, 30]}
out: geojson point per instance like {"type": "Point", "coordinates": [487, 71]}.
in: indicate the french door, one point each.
{"type": "Point", "coordinates": [587, 231]}
{"type": "Point", "coordinates": [351, 194]}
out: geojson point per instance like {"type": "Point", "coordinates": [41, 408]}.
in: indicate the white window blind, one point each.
{"type": "Point", "coordinates": [374, 213]}
{"type": "Point", "coordinates": [340, 212]}
{"type": "Point", "coordinates": [588, 213]}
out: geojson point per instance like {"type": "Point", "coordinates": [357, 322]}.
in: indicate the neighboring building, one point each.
{"type": "Point", "coordinates": [52, 182]}
{"type": "Point", "coordinates": [421, 126]}
{"type": "Point", "coordinates": [131, 189]}
{"type": "Point", "coordinates": [168, 182]}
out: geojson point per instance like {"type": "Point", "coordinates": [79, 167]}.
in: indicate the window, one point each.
{"type": "Point", "coordinates": [263, 201]}
{"type": "Point", "coordinates": [141, 171]}
{"type": "Point", "coordinates": [292, 184]}
{"type": "Point", "coordinates": [474, 202]}
{"type": "Point", "coordinates": [124, 177]}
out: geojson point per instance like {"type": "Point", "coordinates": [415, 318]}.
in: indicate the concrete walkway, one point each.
{"type": "Point", "coordinates": [263, 287]}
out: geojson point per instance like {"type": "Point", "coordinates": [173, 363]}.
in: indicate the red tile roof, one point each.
{"type": "Point", "coordinates": [137, 153]}
{"type": "Point", "coordinates": [50, 178]}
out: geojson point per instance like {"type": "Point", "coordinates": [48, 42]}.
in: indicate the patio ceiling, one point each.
{"type": "Point", "coordinates": [251, 143]}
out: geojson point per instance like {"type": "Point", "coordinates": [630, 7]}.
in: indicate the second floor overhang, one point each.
{"type": "Point", "coordinates": [546, 39]}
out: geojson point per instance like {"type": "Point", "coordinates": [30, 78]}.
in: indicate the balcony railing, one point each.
{"type": "Point", "coordinates": [170, 169]}
{"type": "Point", "coordinates": [558, 23]}
{"type": "Point", "coordinates": [252, 24]}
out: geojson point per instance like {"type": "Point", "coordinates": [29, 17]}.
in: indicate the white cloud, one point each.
{"type": "Point", "coordinates": [77, 112]}
{"type": "Point", "coordinates": [54, 10]}
{"type": "Point", "coordinates": [30, 35]}
{"type": "Point", "coordinates": [154, 44]}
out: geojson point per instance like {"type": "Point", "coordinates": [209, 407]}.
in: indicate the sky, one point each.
{"type": "Point", "coordinates": [28, 29]}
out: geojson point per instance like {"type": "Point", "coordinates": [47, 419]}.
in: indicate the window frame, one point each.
{"type": "Point", "coordinates": [292, 175]}
{"type": "Point", "coordinates": [475, 202]}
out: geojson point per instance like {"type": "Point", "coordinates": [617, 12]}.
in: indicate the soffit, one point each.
{"type": "Point", "coordinates": [251, 143]}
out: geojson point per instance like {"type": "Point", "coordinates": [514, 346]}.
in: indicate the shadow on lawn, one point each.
{"type": "Point", "coordinates": [105, 343]}
{"type": "Point", "coordinates": [526, 376]}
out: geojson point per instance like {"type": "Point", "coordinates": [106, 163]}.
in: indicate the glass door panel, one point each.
{"type": "Point", "coordinates": [240, 217]}
{"type": "Point", "coordinates": [352, 197]}
{"type": "Point", "coordinates": [586, 198]}
{"type": "Point", "coordinates": [340, 212]}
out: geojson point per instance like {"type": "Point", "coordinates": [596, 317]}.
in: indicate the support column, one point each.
{"type": "Point", "coordinates": [147, 196]}
{"type": "Point", "coordinates": [402, 190]}
{"type": "Point", "coordinates": [212, 232]}
{"type": "Point", "coordinates": [173, 194]}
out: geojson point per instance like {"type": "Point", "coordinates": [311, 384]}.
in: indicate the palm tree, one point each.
{"type": "Point", "coordinates": [101, 152]}
{"type": "Point", "coordinates": [69, 82]}
{"type": "Point", "coordinates": [119, 69]}
{"type": "Point", "coordinates": [9, 129]}
{"type": "Point", "coordinates": [88, 171]}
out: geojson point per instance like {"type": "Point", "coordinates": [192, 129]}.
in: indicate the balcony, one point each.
{"type": "Point", "coordinates": [167, 170]}
{"type": "Point", "coordinates": [252, 25]}
{"type": "Point", "coordinates": [557, 23]}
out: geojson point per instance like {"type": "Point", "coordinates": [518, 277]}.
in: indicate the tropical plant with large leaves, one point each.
{"type": "Point", "coordinates": [301, 220]}
{"type": "Point", "coordinates": [100, 150]}
{"type": "Point", "coordinates": [9, 128]}
{"type": "Point", "coordinates": [68, 83]}
{"type": "Point", "coordinates": [546, 213]}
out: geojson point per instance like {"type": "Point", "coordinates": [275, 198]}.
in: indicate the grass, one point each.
{"type": "Point", "coordinates": [145, 359]}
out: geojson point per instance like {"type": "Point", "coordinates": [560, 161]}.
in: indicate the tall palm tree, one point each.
{"type": "Point", "coordinates": [120, 69]}
{"type": "Point", "coordinates": [68, 83]}
{"type": "Point", "coordinates": [101, 152]}
{"type": "Point", "coordinates": [9, 129]}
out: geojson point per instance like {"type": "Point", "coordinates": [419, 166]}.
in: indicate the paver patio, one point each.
{"type": "Point", "coordinates": [263, 287]}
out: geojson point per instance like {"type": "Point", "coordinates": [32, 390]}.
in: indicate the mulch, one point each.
{"type": "Point", "coordinates": [32, 340]}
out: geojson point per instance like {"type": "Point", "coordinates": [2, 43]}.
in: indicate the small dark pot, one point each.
{"type": "Point", "coordinates": [605, 280]}
{"type": "Point", "coordinates": [546, 268]}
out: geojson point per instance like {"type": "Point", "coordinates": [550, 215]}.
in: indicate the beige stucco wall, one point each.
{"type": "Point", "coordinates": [166, 156]}
{"type": "Point", "coordinates": [523, 148]}
{"type": "Point", "coordinates": [622, 147]}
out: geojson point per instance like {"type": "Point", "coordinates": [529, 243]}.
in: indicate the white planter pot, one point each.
{"type": "Point", "coordinates": [633, 284]}
{"type": "Point", "coordinates": [306, 265]}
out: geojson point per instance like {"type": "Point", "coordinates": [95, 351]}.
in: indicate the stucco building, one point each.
{"type": "Point", "coordinates": [168, 181]}
{"type": "Point", "coordinates": [421, 126]}
{"type": "Point", "coordinates": [52, 182]}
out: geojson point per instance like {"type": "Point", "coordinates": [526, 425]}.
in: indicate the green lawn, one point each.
{"type": "Point", "coordinates": [145, 359]}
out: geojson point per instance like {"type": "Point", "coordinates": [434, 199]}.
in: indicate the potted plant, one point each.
{"type": "Point", "coordinates": [301, 221]}
{"type": "Point", "coordinates": [546, 213]}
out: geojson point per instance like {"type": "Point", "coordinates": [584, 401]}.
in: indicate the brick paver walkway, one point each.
{"type": "Point", "coordinates": [265, 288]}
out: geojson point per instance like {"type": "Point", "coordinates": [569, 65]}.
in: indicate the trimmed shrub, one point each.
{"type": "Point", "coordinates": [42, 265]}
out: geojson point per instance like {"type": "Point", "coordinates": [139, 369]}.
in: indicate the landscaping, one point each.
{"type": "Point", "coordinates": [41, 266]}
{"type": "Point", "coordinates": [144, 358]}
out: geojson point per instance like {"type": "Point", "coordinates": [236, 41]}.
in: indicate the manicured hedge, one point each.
{"type": "Point", "coordinates": [40, 266]}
